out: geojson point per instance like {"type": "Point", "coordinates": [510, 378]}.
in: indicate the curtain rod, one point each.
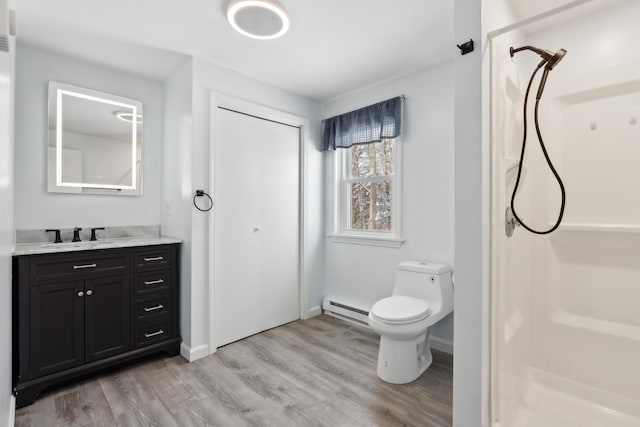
{"type": "Point", "coordinates": [401, 97]}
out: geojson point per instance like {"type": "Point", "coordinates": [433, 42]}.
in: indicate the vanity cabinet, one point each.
{"type": "Point", "coordinates": [74, 322]}
{"type": "Point", "coordinates": [76, 313]}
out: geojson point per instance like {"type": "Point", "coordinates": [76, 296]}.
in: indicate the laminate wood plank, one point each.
{"type": "Point", "coordinates": [359, 377]}
{"type": "Point", "coordinates": [318, 372]}
{"type": "Point", "coordinates": [85, 405]}
{"type": "Point", "coordinates": [125, 390]}
{"type": "Point", "coordinates": [301, 396]}
{"type": "Point", "coordinates": [152, 413]}
{"type": "Point", "coordinates": [77, 404]}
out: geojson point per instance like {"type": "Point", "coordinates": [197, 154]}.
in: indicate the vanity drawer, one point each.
{"type": "Point", "coordinates": [153, 258]}
{"type": "Point", "coordinates": [153, 282]}
{"type": "Point", "coordinates": [152, 308]}
{"type": "Point", "coordinates": [60, 266]}
{"type": "Point", "coordinates": [152, 332]}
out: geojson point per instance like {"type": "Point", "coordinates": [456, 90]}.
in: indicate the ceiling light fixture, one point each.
{"type": "Point", "coordinates": [258, 19]}
{"type": "Point", "coordinates": [127, 117]}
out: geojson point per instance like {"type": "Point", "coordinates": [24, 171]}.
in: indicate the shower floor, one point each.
{"type": "Point", "coordinates": [543, 399]}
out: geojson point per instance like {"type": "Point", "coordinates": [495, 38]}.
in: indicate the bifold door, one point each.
{"type": "Point", "coordinates": [256, 232]}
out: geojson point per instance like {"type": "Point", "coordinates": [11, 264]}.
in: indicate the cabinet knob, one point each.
{"type": "Point", "coordinates": [89, 292]}
{"type": "Point", "coordinates": [80, 294]}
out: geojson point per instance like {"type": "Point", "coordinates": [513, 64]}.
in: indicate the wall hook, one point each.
{"type": "Point", "coordinates": [466, 47]}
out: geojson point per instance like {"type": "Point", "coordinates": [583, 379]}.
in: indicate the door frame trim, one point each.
{"type": "Point", "coordinates": [218, 99]}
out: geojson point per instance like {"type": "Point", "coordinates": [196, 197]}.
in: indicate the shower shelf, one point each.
{"type": "Point", "coordinates": [612, 228]}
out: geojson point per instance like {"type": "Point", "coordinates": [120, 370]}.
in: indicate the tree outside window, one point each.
{"type": "Point", "coordinates": [368, 188]}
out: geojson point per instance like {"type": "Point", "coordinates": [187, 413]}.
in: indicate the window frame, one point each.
{"type": "Point", "coordinates": [342, 202]}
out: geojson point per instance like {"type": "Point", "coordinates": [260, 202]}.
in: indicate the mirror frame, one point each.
{"type": "Point", "coordinates": [55, 184]}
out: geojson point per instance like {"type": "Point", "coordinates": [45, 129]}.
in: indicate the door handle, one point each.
{"type": "Point", "coordinates": [155, 258]}
{"type": "Point", "coordinates": [153, 282]}
{"type": "Point", "coordinates": [89, 292]}
{"type": "Point", "coordinates": [80, 294]}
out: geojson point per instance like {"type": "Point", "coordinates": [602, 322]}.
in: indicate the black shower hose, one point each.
{"type": "Point", "coordinates": [546, 156]}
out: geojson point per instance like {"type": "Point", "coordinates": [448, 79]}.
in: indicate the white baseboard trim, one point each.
{"type": "Point", "coordinates": [314, 311]}
{"type": "Point", "coordinates": [193, 354]}
{"type": "Point", "coordinates": [441, 344]}
{"type": "Point", "coordinates": [12, 412]}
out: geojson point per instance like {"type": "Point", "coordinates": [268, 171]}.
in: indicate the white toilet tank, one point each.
{"type": "Point", "coordinates": [426, 280]}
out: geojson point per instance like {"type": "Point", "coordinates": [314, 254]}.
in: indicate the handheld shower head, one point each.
{"type": "Point", "coordinates": [550, 58]}
{"type": "Point", "coordinates": [549, 61]}
{"type": "Point", "coordinates": [557, 57]}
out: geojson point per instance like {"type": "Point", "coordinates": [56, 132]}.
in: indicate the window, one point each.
{"type": "Point", "coordinates": [368, 194]}
{"type": "Point", "coordinates": [367, 167]}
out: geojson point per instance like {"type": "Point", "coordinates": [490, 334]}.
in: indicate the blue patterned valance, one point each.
{"type": "Point", "coordinates": [364, 126]}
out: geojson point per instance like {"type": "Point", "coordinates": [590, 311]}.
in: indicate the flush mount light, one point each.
{"type": "Point", "coordinates": [258, 19]}
{"type": "Point", "coordinates": [127, 117]}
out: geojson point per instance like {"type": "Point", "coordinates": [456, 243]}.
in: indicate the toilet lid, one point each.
{"type": "Point", "coordinates": [400, 309]}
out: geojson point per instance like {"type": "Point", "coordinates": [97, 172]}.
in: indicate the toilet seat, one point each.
{"type": "Point", "coordinates": [400, 309]}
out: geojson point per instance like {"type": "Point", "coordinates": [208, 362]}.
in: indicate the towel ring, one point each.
{"type": "Point", "coordinates": [201, 193]}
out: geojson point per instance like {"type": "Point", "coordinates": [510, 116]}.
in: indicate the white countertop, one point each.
{"type": "Point", "coordinates": [122, 242]}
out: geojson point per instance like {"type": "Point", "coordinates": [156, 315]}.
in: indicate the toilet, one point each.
{"type": "Point", "coordinates": [422, 295]}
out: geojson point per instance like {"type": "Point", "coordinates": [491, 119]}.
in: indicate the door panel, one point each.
{"type": "Point", "coordinates": [108, 323]}
{"type": "Point", "coordinates": [280, 224]}
{"type": "Point", "coordinates": [237, 215]}
{"type": "Point", "coordinates": [57, 327]}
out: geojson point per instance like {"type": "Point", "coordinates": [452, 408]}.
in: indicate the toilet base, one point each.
{"type": "Point", "coordinates": [403, 361]}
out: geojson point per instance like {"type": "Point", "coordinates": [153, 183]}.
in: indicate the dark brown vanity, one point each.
{"type": "Point", "coordinates": [79, 312]}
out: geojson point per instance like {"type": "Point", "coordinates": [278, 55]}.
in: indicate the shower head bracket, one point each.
{"type": "Point", "coordinates": [510, 222]}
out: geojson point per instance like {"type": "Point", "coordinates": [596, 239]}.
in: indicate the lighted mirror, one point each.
{"type": "Point", "coordinates": [95, 142]}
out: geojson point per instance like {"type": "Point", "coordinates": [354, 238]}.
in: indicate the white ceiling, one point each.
{"type": "Point", "coordinates": [332, 48]}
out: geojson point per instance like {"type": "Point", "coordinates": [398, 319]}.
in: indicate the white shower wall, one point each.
{"type": "Point", "coordinates": [510, 256]}
{"type": "Point", "coordinates": [565, 306]}
{"type": "Point", "coordinates": [587, 324]}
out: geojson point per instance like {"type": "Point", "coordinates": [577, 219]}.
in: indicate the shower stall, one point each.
{"type": "Point", "coordinates": [565, 307]}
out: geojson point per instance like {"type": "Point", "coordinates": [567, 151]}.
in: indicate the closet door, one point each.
{"type": "Point", "coordinates": [280, 214]}
{"type": "Point", "coordinates": [256, 225]}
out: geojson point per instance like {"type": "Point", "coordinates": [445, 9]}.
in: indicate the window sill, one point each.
{"type": "Point", "coordinates": [387, 242]}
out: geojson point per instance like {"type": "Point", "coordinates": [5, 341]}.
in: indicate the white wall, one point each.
{"type": "Point", "coordinates": [6, 225]}
{"type": "Point", "coordinates": [468, 300]}
{"type": "Point", "coordinates": [360, 274]}
{"type": "Point", "coordinates": [34, 207]}
{"type": "Point", "coordinates": [205, 78]}
{"type": "Point", "coordinates": [176, 180]}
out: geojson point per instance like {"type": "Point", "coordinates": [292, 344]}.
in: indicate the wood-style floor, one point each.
{"type": "Point", "coordinates": [318, 372]}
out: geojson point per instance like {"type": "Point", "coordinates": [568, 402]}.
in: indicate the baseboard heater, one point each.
{"type": "Point", "coordinates": [345, 311]}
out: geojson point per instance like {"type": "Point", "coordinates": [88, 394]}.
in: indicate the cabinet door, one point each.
{"type": "Point", "coordinates": [57, 327]}
{"type": "Point", "coordinates": [107, 317]}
